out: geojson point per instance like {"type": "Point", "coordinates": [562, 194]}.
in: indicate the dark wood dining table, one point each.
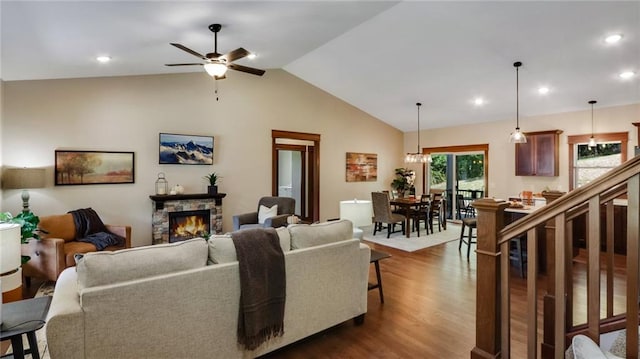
{"type": "Point", "coordinates": [406, 204]}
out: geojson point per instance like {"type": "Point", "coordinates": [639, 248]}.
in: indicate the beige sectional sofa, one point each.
{"type": "Point", "coordinates": [181, 300]}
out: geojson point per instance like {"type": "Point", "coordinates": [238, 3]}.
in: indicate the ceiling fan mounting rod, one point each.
{"type": "Point", "coordinates": [215, 28]}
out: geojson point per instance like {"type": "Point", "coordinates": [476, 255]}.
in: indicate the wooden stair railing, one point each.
{"type": "Point", "coordinates": [493, 332]}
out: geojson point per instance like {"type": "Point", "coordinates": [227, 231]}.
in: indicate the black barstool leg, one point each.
{"type": "Point", "coordinates": [461, 238]}
{"type": "Point", "coordinates": [469, 244]}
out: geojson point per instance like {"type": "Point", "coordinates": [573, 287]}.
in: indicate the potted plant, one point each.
{"type": "Point", "coordinates": [213, 182]}
{"type": "Point", "coordinates": [28, 222]}
{"type": "Point", "coordinates": [403, 182]}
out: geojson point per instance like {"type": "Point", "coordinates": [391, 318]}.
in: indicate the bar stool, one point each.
{"type": "Point", "coordinates": [471, 224]}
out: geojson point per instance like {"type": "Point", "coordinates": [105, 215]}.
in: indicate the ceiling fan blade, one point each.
{"type": "Point", "coordinates": [249, 70]}
{"type": "Point", "coordinates": [235, 54]}
{"type": "Point", "coordinates": [184, 48]}
{"type": "Point", "coordinates": [190, 64]}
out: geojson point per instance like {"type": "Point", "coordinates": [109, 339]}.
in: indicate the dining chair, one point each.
{"type": "Point", "coordinates": [437, 210]}
{"type": "Point", "coordinates": [382, 214]}
{"type": "Point", "coordinates": [422, 213]}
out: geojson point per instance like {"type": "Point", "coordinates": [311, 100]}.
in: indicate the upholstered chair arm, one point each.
{"type": "Point", "coordinates": [276, 221]}
{"type": "Point", "coordinates": [245, 218]}
{"type": "Point", "coordinates": [47, 258]}
{"type": "Point", "coordinates": [122, 231]}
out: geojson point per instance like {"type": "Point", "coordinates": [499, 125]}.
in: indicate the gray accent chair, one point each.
{"type": "Point", "coordinates": [286, 208]}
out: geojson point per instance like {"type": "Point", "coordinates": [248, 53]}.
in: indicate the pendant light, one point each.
{"type": "Point", "coordinates": [592, 140]}
{"type": "Point", "coordinates": [417, 157]}
{"type": "Point", "coordinates": [517, 136]}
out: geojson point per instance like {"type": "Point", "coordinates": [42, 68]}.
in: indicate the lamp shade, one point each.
{"type": "Point", "coordinates": [357, 211]}
{"type": "Point", "coordinates": [23, 178]}
{"type": "Point", "coordinates": [215, 69]}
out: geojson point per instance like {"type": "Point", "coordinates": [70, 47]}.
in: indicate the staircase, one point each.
{"type": "Point", "coordinates": [595, 200]}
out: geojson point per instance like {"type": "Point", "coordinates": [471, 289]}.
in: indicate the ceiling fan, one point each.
{"type": "Point", "coordinates": [217, 64]}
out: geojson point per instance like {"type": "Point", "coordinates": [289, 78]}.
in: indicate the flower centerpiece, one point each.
{"type": "Point", "coordinates": [403, 182]}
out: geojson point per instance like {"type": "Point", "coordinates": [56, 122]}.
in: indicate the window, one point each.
{"type": "Point", "coordinates": [588, 163]}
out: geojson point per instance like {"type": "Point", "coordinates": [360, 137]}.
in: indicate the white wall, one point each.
{"type": "Point", "coordinates": [127, 113]}
{"type": "Point", "coordinates": [502, 180]}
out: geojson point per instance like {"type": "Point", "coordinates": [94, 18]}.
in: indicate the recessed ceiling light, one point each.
{"type": "Point", "coordinates": [612, 39]}
{"type": "Point", "coordinates": [103, 59]}
{"type": "Point", "coordinates": [627, 75]}
{"type": "Point", "coordinates": [478, 101]}
{"type": "Point", "coordinates": [252, 56]}
{"type": "Point", "coordinates": [543, 90]}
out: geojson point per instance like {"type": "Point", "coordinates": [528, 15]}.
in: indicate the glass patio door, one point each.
{"type": "Point", "coordinates": [461, 176]}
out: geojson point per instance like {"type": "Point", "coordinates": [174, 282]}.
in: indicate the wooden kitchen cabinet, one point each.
{"type": "Point", "coordinates": [539, 156]}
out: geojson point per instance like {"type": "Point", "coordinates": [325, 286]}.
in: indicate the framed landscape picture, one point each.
{"type": "Point", "coordinates": [185, 149]}
{"type": "Point", "coordinates": [362, 167]}
{"type": "Point", "coordinates": [93, 167]}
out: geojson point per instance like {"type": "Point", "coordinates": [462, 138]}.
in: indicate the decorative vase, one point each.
{"type": "Point", "coordinates": [212, 189]}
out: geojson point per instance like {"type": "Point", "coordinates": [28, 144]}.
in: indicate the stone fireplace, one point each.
{"type": "Point", "coordinates": [180, 217]}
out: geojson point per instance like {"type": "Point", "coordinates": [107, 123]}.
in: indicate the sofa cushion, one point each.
{"type": "Point", "coordinates": [310, 235]}
{"type": "Point", "coordinates": [100, 268]}
{"type": "Point", "coordinates": [58, 226]}
{"type": "Point", "coordinates": [222, 250]}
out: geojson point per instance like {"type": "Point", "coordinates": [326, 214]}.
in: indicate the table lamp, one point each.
{"type": "Point", "coordinates": [359, 212]}
{"type": "Point", "coordinates": [10, 264]}
{"type": "Point", "coordinates": [23, 178]}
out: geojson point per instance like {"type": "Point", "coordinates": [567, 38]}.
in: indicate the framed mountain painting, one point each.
{"type": "Point", "coordinates": [178, 149]}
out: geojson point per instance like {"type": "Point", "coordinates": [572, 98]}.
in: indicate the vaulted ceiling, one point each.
{"type": "Point", "coordinates": [380, 56]}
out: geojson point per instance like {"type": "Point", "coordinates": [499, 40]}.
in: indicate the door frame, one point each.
{"type": "Point", "coordinates": [313, 166]}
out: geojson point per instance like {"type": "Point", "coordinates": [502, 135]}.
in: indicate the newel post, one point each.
{"type": "Point", "coordinates": [490, 222]}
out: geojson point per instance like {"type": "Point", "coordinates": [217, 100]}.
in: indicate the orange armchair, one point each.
{"type": "Point", "coordinates": [55, 250]}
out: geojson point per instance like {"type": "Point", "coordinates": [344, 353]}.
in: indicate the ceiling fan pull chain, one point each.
{"type": "Point", "coordinates": [216, 89]}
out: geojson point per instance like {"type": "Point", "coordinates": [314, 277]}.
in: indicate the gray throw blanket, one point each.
{"type": "Point", "coordinates": [89, 228]}
{"type": "Point", "coordinates": [262, 286]}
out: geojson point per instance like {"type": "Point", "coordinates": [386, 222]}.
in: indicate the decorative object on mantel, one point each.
{"type": "Point", "coordinates": [592, 140]}
{"type": "Point", "coordinates": [362, 167]}
{"type": "Point", "coordinates": [417, 157]}
{"type": "Point", "coordinates": [23, 178]}
{"type": "Point", "coordinates": [162, 186]}
{"type": "Point", "coordinates": [403, 182]}
{"type": "Point", "coordinates": [212, 178]}
{"type": "Point", "coordinates": [517, 136]}
{"type": "Point", "coordinates": [185, 149]}
{"type": "Point", "coordinates": [177, 189]}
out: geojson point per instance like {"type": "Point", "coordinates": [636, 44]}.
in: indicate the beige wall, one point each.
{"type": "Point", "coordinates": [502, 180]}
{"type": "Point", "coordinates": [127, 113]}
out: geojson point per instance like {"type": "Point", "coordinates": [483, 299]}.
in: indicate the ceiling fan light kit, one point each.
{"type": "Point", "coordinates": [517, 136]}
{"type": "Point", "coordinates": [216, 64]}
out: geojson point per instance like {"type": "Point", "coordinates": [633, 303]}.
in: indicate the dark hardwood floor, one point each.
{"type": "Point", "coordinates": [429, 309]}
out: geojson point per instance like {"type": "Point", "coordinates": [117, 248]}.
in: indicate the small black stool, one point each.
{"type": "Point", "coordinates": [471, 224]}
{"type": "Point", "coordinates": [376, 256]}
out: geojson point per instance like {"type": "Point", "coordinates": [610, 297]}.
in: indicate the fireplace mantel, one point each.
{"type": "Point", "coordinates": [160, 199]}
{"type": "Point", "coordinates": [163, 205]}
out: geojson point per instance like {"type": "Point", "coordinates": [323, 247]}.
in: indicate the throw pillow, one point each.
{"type": "Point", "coordinates": [619, 346]}
{"type": "Point", "coordinates": [266, 212]}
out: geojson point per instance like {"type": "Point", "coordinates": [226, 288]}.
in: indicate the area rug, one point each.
{"type": "Point", "coordinates": [414, 243]}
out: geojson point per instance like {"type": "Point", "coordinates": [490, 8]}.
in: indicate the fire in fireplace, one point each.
{"type": "Point", "coordinates": [188, 224]}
